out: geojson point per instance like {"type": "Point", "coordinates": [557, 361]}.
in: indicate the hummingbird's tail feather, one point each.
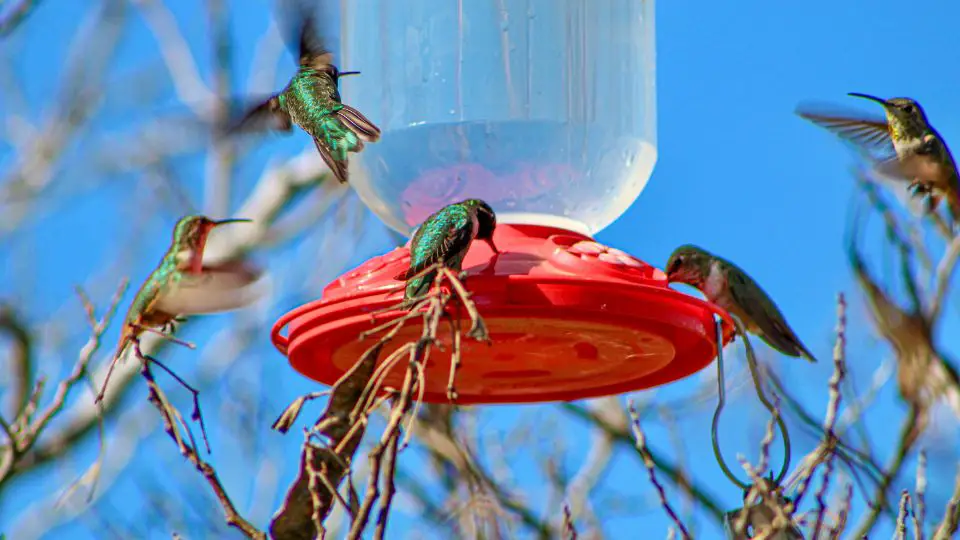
{"type": "Point", "coordinates": [787, 344]}
{"type": "Point", "coordinates": [359, 124]}
{"type": "Point", "coordinates": [805, 353]}
{"type": "Point", "coordinates": [418, 286]}
{"type": "Point", "coordinates": [127, 336]}
{"type": "Point", "coordinates": [337, 167]}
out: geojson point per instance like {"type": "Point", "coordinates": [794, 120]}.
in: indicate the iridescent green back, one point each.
{"type": "Point", "coordinates": [446, 235]}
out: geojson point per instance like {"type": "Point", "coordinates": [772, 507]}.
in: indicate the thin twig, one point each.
{"type": "Point", "coordinates": [920, 514]}
{"type": "Point", "coordinates": [951, 516]}
{"type": "Point", "coordinates": [390, 466]}
{"type": "Point", "coordinates": [833, 405]}
{"type": "Point", "coordinates": [569, 529]}
{"type": "Point", "coordinates": [168, 413]}
{"type": "Point", "coordinates": [641, 445]}
{"type": "Point", "coordinates": [901, 526]}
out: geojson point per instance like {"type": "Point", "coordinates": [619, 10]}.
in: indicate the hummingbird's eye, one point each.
{"type": "Point", "coordinates": [908, 108]}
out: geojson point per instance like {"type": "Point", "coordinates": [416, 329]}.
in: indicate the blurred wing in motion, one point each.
{"type": "Point", "coordinates": [217, 288]}
{"type": "Point", "coordinates": [265, 116]}
{"type": "Point", "coordinates": [868, 132]}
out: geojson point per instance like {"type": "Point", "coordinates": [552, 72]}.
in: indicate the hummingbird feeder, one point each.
{"type": "Point", "coordinates": [477, 103]}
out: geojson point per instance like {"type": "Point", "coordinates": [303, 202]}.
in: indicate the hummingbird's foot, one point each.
{"type": "Point", "coordinates": [168, 337]}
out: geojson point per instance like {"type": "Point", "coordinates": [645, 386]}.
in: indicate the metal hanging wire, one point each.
{"type": "Point", "coordinates": [755, 374]}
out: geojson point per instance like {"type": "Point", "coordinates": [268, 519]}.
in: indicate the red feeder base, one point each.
{"type": "Point", "coordinates": [569, 319]}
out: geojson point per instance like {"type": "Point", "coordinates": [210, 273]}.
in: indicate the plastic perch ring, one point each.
{"type": "Point", "coordinates": [569, 319]}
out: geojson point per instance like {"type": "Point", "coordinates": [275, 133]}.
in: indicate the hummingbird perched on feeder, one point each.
{"type": "Point", "coordinates": [445, 237]}
{"type": "Point", "coordinates": [182, 285]}
{"type": "Point", "coordinates": [909, 147]}
{"type": "Point", "coordinates": [312, 101]}
{"type": "Point", "coordinates": [729, 287]}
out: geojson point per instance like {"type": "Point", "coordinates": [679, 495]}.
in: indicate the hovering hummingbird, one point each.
{"type": "Point", "coordinates": [312, 101]}
{"type": "Point", "coordinates": [445, 237]}
{"type": "Point", "coordinates": [924, 374]}
{"type": "Point", "coordinates": [726, 285]}
{"type": "Point", "coordinates": [907, 147]}
{"type": "Point", "coordinates": [182, 285]}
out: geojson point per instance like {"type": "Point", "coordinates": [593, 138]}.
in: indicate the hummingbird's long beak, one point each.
{"type": "Point", "coordinates": [345, 73]}
{"type": "Point", "coordinates": [868, 96]}
{"type": "Point", "coordinates": [234, 220]}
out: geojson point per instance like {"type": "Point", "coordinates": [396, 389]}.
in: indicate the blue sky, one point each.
{"type": "Point", "coordinates": [738, 173]}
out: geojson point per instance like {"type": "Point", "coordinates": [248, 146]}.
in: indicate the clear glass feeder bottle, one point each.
{"type": "Point", "coordinates": [546, 109]}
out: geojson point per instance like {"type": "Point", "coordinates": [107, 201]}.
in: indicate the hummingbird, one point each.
{"type": "Point", "coordinates": [729, 287]}
{"type": "Point", "coordinates": [924, 374]}
{"type": "Point", "coordinates": [182, 285]}
{"type": "Point", "coordinates": [312, 101]}
{"type": "Point", "coordinates": [906, 146]}
{"type": "Point", "coordinates": [445, 237]}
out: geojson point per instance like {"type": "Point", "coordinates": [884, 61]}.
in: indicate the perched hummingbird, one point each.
{"type": "Point", "coordinates": [312, 101]}
{"type": "Point", "coordinates": [907, 146]}
{"type": "Point", "coordinates": [182, 285]}
{"type": "Point", "coordinates": [729, 287]}
{"type": "Point", "coordinates": [445, 237]}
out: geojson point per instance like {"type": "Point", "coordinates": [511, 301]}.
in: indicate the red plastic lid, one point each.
{"type": "Point", "coordinates": [569, 319]}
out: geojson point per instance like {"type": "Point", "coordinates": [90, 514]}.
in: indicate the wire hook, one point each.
{"type": "Point", "coordinates": [721, 401]}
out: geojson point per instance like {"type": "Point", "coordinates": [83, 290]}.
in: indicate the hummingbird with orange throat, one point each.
{"type": "Point", "coordinates": [183, 285]}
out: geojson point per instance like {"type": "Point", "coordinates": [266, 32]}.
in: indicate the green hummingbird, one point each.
{"type": "Point", "coordinates": [183, 285]}
{"type": "Point", "coordinates": [445, 237]}
{"type": "Point", "coordinates": [312, 101]}
{"type": "Point", "coordinates": [729, 287]}
{"type": "Point", "coordinates": [904, 144]}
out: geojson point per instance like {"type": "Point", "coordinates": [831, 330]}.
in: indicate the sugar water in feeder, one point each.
{"type": "Point", "coordinates": [546, 110]}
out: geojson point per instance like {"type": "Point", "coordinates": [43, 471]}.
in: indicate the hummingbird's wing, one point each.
{"type": "Point", "coordinates": [266, 116]}
{"type": "Point", "coordinates": [216, 288]}
{"type": "Point", "coordinates": [302, 37]}
{"type": "Point", "coordinates": [763, 312]}
{"type": "Point", "coordinates": [868, 132]}
{"type": "Point", "coordinates": [359, 124]}
{"type": "Point", "coordinates": [312, 51]}
{"type": "Point", "coordinates": [454, 225]}
{"type": "Point", "coordinates": [337, 166]}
